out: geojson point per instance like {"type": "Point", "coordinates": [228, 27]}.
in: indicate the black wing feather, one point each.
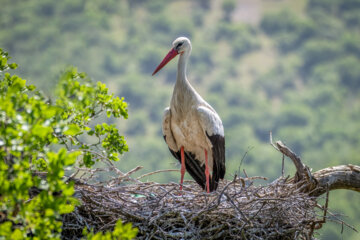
{"type": "Point", "coordinates": [218, 150]}
{"type": "Point", "coordinates": [197, 172]}
{"type": "Point", "coordinates": [192, 166]}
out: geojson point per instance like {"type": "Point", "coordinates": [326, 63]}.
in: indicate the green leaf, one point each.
{"type": "Point", "coordinates": [49, 212]}
{"type": "Point", "coordinates": [13, 65]}
{"type": "Point", "coordinates": [5, 228]}
{"type": "Point", "coordinates": [70, 159]}
{"type": "Point", "coordinates": [66, 208]}
{"type": "Point", "coordinates": [41, 131]}
{"type": "Point", "coordinates": [72, 130]}
{"type": "Point", "coordinates": [87, 160]}
{"type": "Point", "coordinates": [68, 190]}
{"type": "Point", "coordinates": [17, 234]}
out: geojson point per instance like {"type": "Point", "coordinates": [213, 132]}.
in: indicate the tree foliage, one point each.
{"type": "Point", "coordinates": [121, 231]}
{"type": "Point", "coordinates": [290, 67]}
{"type": "Point", "coordinates": [38, 134]}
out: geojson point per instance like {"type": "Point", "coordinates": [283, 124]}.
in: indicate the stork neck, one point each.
{"type": "Point", "coordinates": [183, 92]}
{"type": "Point", "coordinates": [182, 64]}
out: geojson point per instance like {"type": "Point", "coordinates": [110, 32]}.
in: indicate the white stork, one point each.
{"type": "Point", "coordinates": [191, 127]}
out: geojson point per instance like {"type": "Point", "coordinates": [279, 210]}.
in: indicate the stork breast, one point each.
{"type": "Point", "coordinates": [189, 133]}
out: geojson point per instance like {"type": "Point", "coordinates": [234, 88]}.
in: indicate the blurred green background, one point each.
{"type": "Point", "coordinates": [290, 67]}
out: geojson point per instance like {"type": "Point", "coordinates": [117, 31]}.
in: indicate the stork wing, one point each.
{"type": "Point", "coordinates": [166, 129]}
{"type": "Point", "coordinates": [212, 126]}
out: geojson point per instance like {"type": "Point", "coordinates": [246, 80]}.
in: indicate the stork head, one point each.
{"type": "Point", "coordinates": [181, 45]}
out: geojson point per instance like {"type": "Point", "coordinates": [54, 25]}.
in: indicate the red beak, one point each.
{"type": "Point", "coordinates": [166, 59]}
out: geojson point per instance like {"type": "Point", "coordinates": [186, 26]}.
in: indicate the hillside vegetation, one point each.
{"type": "Point", "coordinates": [290, 67]}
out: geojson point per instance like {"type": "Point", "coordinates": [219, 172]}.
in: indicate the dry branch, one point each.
{"type": "Point", "coordinates": [338, 177]}
{"type": "Point", "coordinates": [317, 183]}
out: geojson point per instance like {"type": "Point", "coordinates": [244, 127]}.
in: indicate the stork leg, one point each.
{"type": "Point", "coordinates": [182, 171]}
{"type": "Point", "coordinates": [207, 173]}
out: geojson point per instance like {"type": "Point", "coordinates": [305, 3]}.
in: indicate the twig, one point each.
{"type": "Point", "coordinates": [282, 165]}
{"type": "Point", "coordinates": [301, 169]}
{"type": "Point", "coordinates": [243, 157]}
{"type": "Point", "coordinates": [155, 172]}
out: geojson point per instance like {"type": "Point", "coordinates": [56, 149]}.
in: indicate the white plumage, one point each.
{"type": "Point", "coordinates": [191, 127]}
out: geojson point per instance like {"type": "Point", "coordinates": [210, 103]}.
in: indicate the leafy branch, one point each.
{"type": "Point", "coordinates": [31, 128]}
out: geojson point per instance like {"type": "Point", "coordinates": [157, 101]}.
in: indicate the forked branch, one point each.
{"type": "Point", "coordinates": [338, 177]}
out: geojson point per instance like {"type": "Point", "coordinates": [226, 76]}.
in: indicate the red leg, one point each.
{"type": "Point", "coordinates": [182, 167]}
{"type": "Point", "coordinates": [207, 174]}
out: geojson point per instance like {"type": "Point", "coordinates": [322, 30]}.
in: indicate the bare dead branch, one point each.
{"type": "Point", "coordinates": [338, 177]}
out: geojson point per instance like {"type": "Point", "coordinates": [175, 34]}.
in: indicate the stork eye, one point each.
{"type": "Point", "coordinates": [180, 44]}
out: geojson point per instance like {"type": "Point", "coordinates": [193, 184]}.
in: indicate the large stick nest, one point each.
{"type": "Point", "coordinates": [237, 210]}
